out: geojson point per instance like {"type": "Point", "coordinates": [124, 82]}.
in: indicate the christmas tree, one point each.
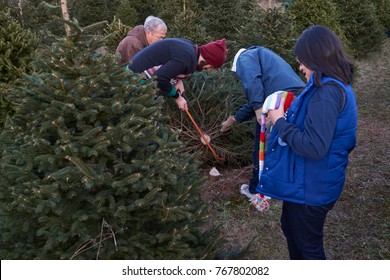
{"type": "Point", "coordinates": [183, 19]}
{"type": "Point", "coordinates": [17, 50]}
{"type": "Point", "coordinates": [212, 97]}
{"type": "Point", "coordinates": [91, 11]}
{"type": "Point", "coordinates": [322, 12]}
{"type": "Point", "coordinates": [89, 168]}
{"type": "Point", "coordinates": [223, 17]}
{"type": "Point", "coordinates": [361, 23]}
{"type": "Point", "coordinates": [271, 28]}
{"type": "Point", "coordinates": [115, 32]}
{"type": "Point", "coordinates": [383, 12]}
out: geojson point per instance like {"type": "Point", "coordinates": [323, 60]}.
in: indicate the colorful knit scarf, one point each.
{"type": "Point", "coordinates": [272, 102]}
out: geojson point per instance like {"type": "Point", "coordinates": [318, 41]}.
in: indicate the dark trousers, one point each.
{"type": "Point", "coordinates": [255, 161]}
{"type": "Point", "coordinates": [303, 227]}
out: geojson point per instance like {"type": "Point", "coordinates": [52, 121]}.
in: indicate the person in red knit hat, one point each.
{"type": "Point", "coordinates": [214, 53]}
{"type": "Point", "coordinates": [173, 59]}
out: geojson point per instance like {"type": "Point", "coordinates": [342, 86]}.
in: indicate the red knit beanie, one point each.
{"type": "Point", "coordinates": [214, 52]}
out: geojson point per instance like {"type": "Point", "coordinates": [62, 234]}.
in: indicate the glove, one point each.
{"type": "Point", "coordinates": [227, 124]}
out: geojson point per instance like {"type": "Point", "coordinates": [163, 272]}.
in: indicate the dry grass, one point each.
{"type": "Point", "coordinates": [358, 228]}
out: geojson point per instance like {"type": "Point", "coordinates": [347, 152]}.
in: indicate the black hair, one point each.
{"type": "Point", "coordinates": [321, 50]}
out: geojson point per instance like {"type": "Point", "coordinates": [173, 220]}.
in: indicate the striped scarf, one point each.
{"type": "Point", "coordinates": [271, 102]}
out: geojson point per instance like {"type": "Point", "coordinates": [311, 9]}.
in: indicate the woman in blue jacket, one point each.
{"type": "Point", "coordinates": [261, 72]}
{"type": "Point", "coordinates": [307, 151]}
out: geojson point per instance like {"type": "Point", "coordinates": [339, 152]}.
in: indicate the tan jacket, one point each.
{"type": "Point", "coordinates": [131, 44]}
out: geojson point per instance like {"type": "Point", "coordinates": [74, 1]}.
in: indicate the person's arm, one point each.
{"type": "Point", "coordinates": [165, 74]}
{"type": "Point", "coordinates": [320, 123]}
{"type": "Point", "coordinates": [244, 113]}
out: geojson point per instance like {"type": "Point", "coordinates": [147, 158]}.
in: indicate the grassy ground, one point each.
{"type": "Point", "coordinates": [358, 228]}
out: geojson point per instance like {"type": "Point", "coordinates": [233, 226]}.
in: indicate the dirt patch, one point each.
{"type": "Point", "coordinates": [244, 229]}
{"type": "Point", "coordinates": [227, 185]}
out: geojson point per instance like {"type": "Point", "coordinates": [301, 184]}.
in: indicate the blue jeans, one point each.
{"type": "Point", "coordinates": [303, 226]}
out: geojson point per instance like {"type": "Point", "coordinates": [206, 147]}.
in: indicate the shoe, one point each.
{"type": "Point", "coordinates": [244, 189]}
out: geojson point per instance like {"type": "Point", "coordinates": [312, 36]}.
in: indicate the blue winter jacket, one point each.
{"type": "Point", "coordinates": [289, 174]}
{"type": "Point", "coordinates": [262, 72]}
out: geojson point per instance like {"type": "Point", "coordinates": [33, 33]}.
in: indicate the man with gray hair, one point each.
{"type": "Point", "coordinates": [141, 36]}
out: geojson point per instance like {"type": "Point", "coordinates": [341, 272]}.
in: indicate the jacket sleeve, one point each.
{"type": "Point", "coordinates": [313, 142]}
{"type": "Point", "coordinates": [167, 72]}
{"type": "Point", "coordinates": [245, 113]}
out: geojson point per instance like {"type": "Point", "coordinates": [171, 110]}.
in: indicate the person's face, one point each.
{"type": "Point", "coordinates": [204, 66]}
{"type": "Point", "coordinates": [306, 71]}
{"type": "Point", "coordinates": [156, 35]}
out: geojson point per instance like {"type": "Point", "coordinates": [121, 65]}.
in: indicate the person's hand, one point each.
{"type": "Point", "coordinates": [181, 103]}
{"type": "Point", "coordinates": [179, 86]}
{"type": "Point", "coordinates": [276, 114]}
{"type": "Point", "coordinates": [227, 124]}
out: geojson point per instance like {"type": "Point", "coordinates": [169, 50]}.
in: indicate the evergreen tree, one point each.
{"type": "Point", "coordinates": [272, 28]}
{"type": "Point", "coordinates": [39, 18]}
{"type": "Point", "coordinates": [4, 5]}
{"type": "Point", "coordinates": [127, 14]}
{"type": "Point", "coordinates": [17, 50]}
{"type": "Point", "coordinates": [134, 12]}
{"type": "Point", "coordinates": [323, 12]}
{"type": "Point", "coordinates": [90, 11]}
{"type": "Point", "coordinates": [212, 97]}
{"type": "Point", "coordinates": [222, 17]}
{"type": "Point", "coordinates": [113, 6]}
{"type": "Point", "coordinates": [90, 170]}
{"type": "Point", "coordinates": [361, 26]}
{"type": "Point", "coordinates": [115, 32]}
{"type": "Point", "coordinates": [183, 20]}
{"type": "Point", "coordinates": [383, 12]}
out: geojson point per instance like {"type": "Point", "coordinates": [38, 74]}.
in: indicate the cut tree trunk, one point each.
{"type": "Point", "coordinates": [65, 15]}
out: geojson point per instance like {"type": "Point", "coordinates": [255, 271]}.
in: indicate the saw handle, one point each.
{"type": "Point", "coordinates": [203, 137]}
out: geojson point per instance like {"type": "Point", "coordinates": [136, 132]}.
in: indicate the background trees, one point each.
{"type": "Point", "coordinates": [361, 26]}
{"type": "Point", "coordinates": [271, 28]}
{"type": "Point", "coordinates": [17, 50]}
{"type": "Point", "coordinates": [383, 12]}
{"type": "Point", "coordinates": [184, 20]}
{"type": "Point", "coordinates": [324, 12]}
{"type": "Point", "coordinates": [202, 21]}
